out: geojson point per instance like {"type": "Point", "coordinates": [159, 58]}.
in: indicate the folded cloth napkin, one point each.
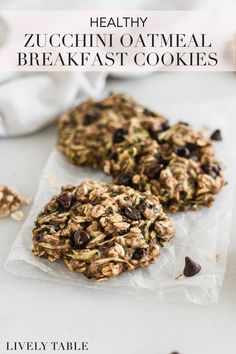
{"type": "Point", "coordinates": [30, 101]}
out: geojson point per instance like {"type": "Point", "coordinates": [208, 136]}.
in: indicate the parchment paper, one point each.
{"type": "Point", "coordinates": [202, 235]}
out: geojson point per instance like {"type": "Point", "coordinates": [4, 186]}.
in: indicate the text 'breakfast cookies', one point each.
{"type": "Point", "coordinates": [140, 149]}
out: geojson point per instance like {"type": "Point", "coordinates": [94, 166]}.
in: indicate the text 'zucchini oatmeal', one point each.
{"type": "Point", "coordinates": [101, 230]}
{"type": "Point", "coordinates": [140, 149]}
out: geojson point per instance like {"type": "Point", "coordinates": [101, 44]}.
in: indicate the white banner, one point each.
{"type": "Point", "coordinates": [117, 41]}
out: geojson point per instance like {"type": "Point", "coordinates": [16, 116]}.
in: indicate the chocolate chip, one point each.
{"type": "Point", "coordinates": [80, 238]}
{"type": "Point", "coordinates": [65, 199]}
{"type": "Point", "coordinates": [142, 207]}
{"type": "Point", "coordinates": [211, 169]}
{"type": "Point", "coordinates": [191, 268]}
{"type": "Point", "coordinates": [124, 179]}
{"type": "Point", "coordinates": [99, 105]}
{"type": "Point", "coordinates": [216, 135]}
{"type": "Point", "coordinates": [215, 169]}
{"type": "Point", "coordinates": [165, 126]}
{"type": "Point", "coordinates": [149, 113]}
{"type": "Point", "coordinates": [183, 123]}
{"type": "Point", "coordinates": [112, 155]}
{"type": "Point", "coordinates": [131, 213]}
{"type": "Point", "coordinates": [123, 232]}
{"type": "Point", "coordinates": [39, 238]}
{"type": "Point", "coordinates": [192, 146]}
{"type": "Point", "coordinates": [153, 169]}
{"type": "Point", "coordinates": [206, 168]}
{"type": "Point", "coordinates": [154, 133]}
{"type": "Point", "coordinates": [118, 135]}
{"type": "Point", "coordinates": [107, 237]}
{"type": "Point", "coordinates": [138, 254]}
{"type": "Point", "coordinates": [90, 118]}
{"type": "Point", "coordinates": [182, 151]}
{"type": "Point", "coordinates": [194, 151]}
{"type": "Point", "coordinates": [137, 158]}
{"type": "Point", "coordinates": [163, 161]}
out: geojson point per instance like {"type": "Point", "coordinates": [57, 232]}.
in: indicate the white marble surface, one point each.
{"type": "Point", "coordinates": [37, 310]}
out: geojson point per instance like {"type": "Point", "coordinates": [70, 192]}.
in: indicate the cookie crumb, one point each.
{"type": "Point", "coordinates": [17, 215]}
{"type": "Point", "coordinates": [101, 230]}
{"type": "Point", "coordinates": [180, 276]}
{"type": "Point", "coordinates": [11, 202]}
{"type": "Point", "coordinates": [51, 179]}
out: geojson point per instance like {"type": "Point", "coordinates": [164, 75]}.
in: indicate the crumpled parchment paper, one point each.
{"type": "Point", "coordinates": [202, 235]}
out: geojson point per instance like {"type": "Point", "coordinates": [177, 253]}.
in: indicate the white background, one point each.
{"type": "Point", "coordinates": [37, 310]}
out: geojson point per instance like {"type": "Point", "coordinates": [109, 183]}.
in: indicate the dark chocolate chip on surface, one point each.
{"type": "Point", "coordinates": [138, 254]}
{"type": "Point", "coordinates": [191, 268]}
{"type": "Point", "coordinates": [90, 118]}
{"type": "Point", "coordinates": [216, 135]}
{"type": "Point", "coordinates": [65, 199]}
{"type": "Point", "coordinates": [124, 179]}
{"type": "Point", "coordinates": [131, 213]}
{"type": "Point", "coordinates": [182, 151]}
{"type": "Point", "coordinates": [119, 134]}
{"type": "Point", "coordinates": [153, 169]}
{"type": "Point", "coordinates": [80, 238]}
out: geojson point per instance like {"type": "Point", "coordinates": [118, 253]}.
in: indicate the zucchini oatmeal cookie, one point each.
{"type": "Point", "coordinates": [101, 230]}
{"type": "Point", "coordinates": [86, 132]}
{"type": "Point", "coordinates": [178, 164]}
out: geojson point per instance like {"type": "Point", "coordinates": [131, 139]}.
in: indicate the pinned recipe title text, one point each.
{"type": "Point", "coordinates": [117, 42]}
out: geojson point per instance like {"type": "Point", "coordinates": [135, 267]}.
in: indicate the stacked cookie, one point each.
{"type": "Point", "coordinates": [101, 230]}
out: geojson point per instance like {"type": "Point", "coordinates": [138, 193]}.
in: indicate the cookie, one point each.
{"type": "Point", "coordinates": [11, 202]}
{"type": "Point", "coordinates": [87, 132]}
{"type": "Point", "coordinates": [101, 230]}
{"type": "Point", "coordinates": [176, 163]}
